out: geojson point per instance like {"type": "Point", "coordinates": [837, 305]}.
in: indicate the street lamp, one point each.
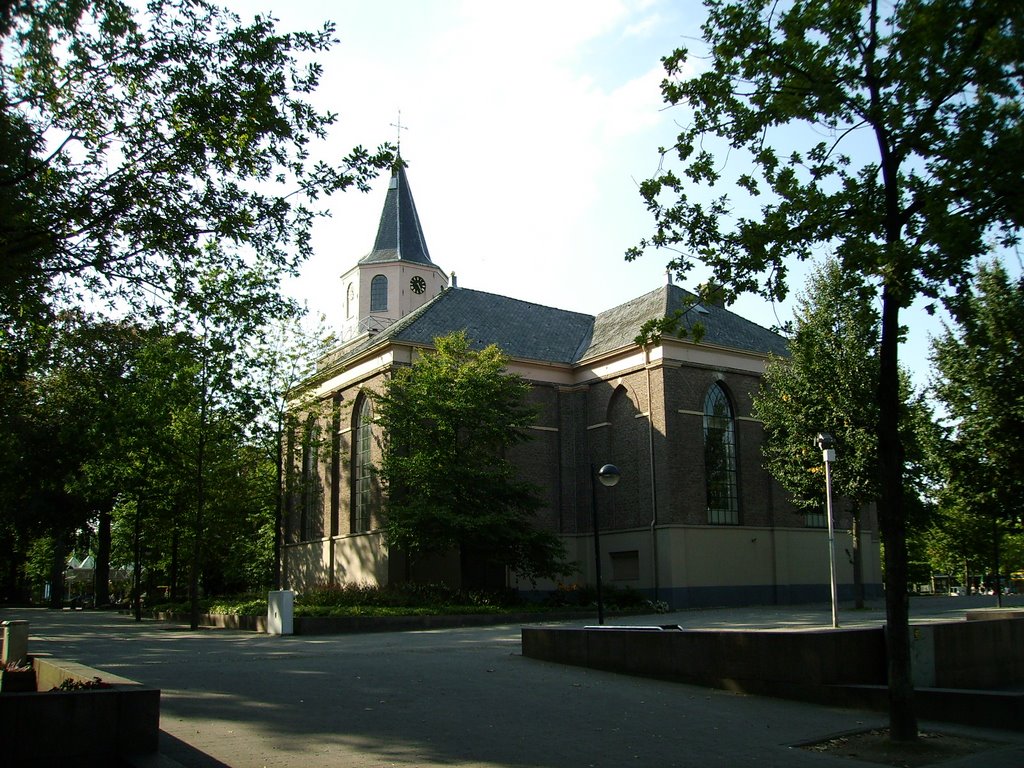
{"type": "Point", "coordinates": [826, 444]}
{"type": "Point", "coordinates": [608, 475]}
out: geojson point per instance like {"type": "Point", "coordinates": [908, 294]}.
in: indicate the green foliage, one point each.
{"type": "Point", "coordinates": [120, 406]}
{"type": "Point", "coordinates": [828, 384]}
{"type": "Point", "coordinates": [156, 161]}
{"type": "Point", "coordinates": [401, 599]}
{"type": "Point", "coordinates": [614, 598]}
{"type": "Point", "coordinates": [890, 134]}
{"type": "Point", "coordinates": [138, 143]}
{"type": "Point", "coordinates": [978, 454]}
{"type": "Point", "coordinates": [449, 418]}
{"type": "Point", "coordinates": [39, 560]}
{"type": "Point", "coordinates": [935, 87]}
{"type": "Point", "coordinates": [240, 605]}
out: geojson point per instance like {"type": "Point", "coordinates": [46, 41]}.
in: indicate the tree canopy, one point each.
{"type": "Point", "coordinates": [891, 135]}
{"type": "Point", "coordinates": [139, 144]}
{"type": "Point", "coordinates": [157, 161]}
{"type": "Point", "coordinates": [448, 420]}
{"type": "Point", "coordinates": [978, 382]}
{"type": "Point", "coordinates": [827, 384]}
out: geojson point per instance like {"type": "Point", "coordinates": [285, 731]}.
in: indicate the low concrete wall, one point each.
{"type": "Point", "coordinates": [979, 653]}
{"type": "Point", "coordinates": [339, 625]}
{"type": "Point", "coordinates": [219, 620]}
{"type": "Point", "coordinates": [92, 727]}
{"type": "Point", "coordinates": [788, 664]}
{"type": "Point", "coordinates": [968, 672]}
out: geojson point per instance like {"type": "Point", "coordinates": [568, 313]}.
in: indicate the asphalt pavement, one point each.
{"type": "Point", "coordinates": [461, 697]}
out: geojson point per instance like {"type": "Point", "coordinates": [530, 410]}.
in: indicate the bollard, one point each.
{"type": "Point", "coordinates": [15, 642]}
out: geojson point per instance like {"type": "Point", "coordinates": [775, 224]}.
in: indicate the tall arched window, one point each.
{"type": "Point", "coordinates": [350, 295]}
{"type": "Point", "coordinates": [311, 510]}
{"type": "Point", "coordinates": [362, 467]}
{"type": "Point", "coordinates": [379, 294]}
{"type": "Point", "coordinates": [720, 458]}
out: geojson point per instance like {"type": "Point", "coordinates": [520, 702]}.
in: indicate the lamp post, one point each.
{"type": "Point", "coordinates": [608, 475]}
{"type": "Point", "coordinates": [825, 442]}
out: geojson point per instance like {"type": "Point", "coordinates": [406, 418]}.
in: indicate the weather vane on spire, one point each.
{"type": "Point", "coordinates": [399, 127]}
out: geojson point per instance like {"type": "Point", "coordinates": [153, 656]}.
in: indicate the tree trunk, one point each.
{"type": "Point", "coordinates": [198, 521]}
{"type": "Point", "coordinates": [858, 567]}
{"type": "Point", "coordinates": [102, 575]}
{"type": "Point", "coordinates": [175, 542]}
{"type": "Point", "coordinates": [57, 571]}
{"type": "Point", "coordinates": [893, 524]}
{"type": "Point", "coordinates": [197, 549]}
{"type": "Point", "coordinates": [137, 567]}
{"type": "Point", "coordinates": [996, 565]}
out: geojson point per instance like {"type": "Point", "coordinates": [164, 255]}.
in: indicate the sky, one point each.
{"type": "Point", "coordinates": [527, 128]}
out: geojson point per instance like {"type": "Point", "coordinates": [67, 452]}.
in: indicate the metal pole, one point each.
{"type": "Point", "coordinates": [828, 455]}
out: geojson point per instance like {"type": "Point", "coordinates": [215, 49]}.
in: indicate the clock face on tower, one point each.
{"type": "Point", "coordinates": [418, 284]}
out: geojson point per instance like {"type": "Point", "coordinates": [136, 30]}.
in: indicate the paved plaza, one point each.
{"type": "Point", "coordinates": [459, 697]}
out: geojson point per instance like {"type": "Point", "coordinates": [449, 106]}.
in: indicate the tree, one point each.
{"type": "Point", "coordinates": [134, 139]}
{"type": "Point", "coordinates": [448, 420]}
{"type": "Point", "coordinates": [934, 88]}
{"type": "Point", "coordinates": [283, 358]}
{"type": "Point", "coordinates": [979, 384]}
{"type": "Point", "coordinates": [826, 385]}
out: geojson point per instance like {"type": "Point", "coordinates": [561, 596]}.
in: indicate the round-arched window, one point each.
{"type": "Point", "coordinates": [379, 294]}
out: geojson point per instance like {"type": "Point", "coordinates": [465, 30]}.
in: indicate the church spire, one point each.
{"type": "Point", "coordinates": [397, 277]}
{"type": "Point", "coordinates": [399, 235]}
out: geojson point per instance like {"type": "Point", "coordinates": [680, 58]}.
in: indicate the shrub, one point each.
{"type": "Point", "coordinates": [438, 597]}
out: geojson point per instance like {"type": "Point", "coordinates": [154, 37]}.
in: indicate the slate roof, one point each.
{"type": "Point", "coordinates": [399, 235]}
{"type": "Point", "coordinates": [619, 326]}
{"type": "Point", "coordinates": [533, 332]}
{"type": "Point", "coordinates": [523, 330]}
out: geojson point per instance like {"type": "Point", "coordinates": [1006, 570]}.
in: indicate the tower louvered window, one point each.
{"type": "Point", "coordinates": [379, 294]}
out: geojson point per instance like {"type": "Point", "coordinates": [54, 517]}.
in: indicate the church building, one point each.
{"type": "Point", "coordinates": [695, 519]}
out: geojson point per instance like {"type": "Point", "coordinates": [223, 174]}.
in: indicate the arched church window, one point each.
{"type": "Point", "coordinates": [379, 294]}
{"type": "Point", "coordinates": [362, 467]}
{"type": "Point", "coordinates": [720, 457]}
{"type": "Point", "coordinates": [350, 295]}
{"type": "Point", "coordinates": [311, 509]}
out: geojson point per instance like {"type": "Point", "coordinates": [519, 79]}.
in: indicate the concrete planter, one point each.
{"type": "Point", "coordinates": [20, 681]}
{"type": "Point", "coordinates": [85, 727]}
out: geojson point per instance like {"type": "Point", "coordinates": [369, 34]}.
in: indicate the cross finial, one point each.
{"type": "Point", "coordinates": [399, 127]}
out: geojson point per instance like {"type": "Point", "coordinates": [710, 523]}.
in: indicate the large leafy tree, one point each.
{"type": "Point", "coordinates": [59, 410]}
{"type": "Point", "coordinates": [890, 132]}
{"type": "Point", "coordinates": [448, 420]}
{"type": "Point", "coordinates": [826, 385]}
{"type": "Point", "coordinates": [978, 382]}
{"type": "Point", "coordinates": [132, 140]}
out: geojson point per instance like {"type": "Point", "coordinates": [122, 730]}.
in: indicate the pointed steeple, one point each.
{"type": "Point", "coordinates": [399, 235]}
{"type": "Point", "coordinates": [397, 276]}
